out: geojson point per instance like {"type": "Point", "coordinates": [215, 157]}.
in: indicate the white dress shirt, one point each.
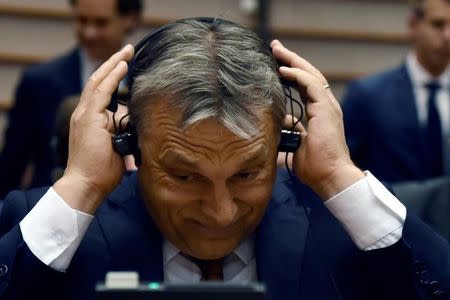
{"type": "Point", "coordinates": [372, 216]}
{"type": "Point", "coordinates": [88, 66]}
{"type": "Point", "coordinates": [419, 78]}
{"type": "Point", "coordinates": [239, 267]}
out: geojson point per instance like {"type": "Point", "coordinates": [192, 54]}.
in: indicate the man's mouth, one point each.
{"type": "Point", "coordinates": [210, 231]}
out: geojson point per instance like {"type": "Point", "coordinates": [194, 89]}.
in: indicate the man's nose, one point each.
{"type": "Point", "coordinates": [446, 32]}
{"type": "Point", "coordinates": [220, 207]}
{"type": "Point", "coordinates": [90, 31]}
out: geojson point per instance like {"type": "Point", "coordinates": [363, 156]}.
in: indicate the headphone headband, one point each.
{"type": "Point", "coordinates": [155, 35]}
{"type": "Point", "coordinates": [125, 143]}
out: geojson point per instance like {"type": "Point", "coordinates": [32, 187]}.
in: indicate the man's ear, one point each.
{"type": "Point", "coordinates": [122, 110]}
{"type": "Point", "coordinates": [413, 23]}
{"type": "Point", "coordinates": [130, 164]}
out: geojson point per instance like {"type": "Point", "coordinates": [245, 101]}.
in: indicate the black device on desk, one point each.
{"type": "Point", "coordinates": [197, 291]}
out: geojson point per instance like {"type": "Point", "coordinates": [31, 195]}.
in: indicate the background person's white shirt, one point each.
{"type": "Point", "coordinates": [419, 78]}
{"type": "Point", "coordinates": [89, 66]}
{"type": "Point", "coordinates": [371, 215]}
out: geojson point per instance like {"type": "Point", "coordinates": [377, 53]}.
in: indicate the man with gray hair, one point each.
{"type": "Point", "coordinates": [207, 201]}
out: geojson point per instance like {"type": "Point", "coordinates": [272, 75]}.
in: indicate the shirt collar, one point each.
{"type": "Point", "coordinates": [88, 65]}
{"type": "Point", "coordinates": [169, 252]}
{"type": "Point", "coordinates": [245, 251]}
{"type": "Point", "coordinates": [420, 76]}
{"type": "Point", "coordinates": [89, 61]}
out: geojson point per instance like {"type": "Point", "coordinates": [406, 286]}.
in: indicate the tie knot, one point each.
{"type": "Point", "coordinates": [211, 269]}
{"type": "Point", "coordinates": [433, 86]}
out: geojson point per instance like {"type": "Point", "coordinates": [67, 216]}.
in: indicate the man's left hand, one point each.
{"type": "Point", "coordinates": [322, 160]}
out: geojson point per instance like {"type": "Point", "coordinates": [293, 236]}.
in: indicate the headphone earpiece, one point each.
{"type": "Point", "coordinates": [289, 141]}
{"type": "Point", "coordinates": [126, 143]}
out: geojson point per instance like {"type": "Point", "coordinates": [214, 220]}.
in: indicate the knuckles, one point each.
{"type": "Point", "coordinates": [76, 117]}
{"type": "Point", "coordinates": [98, 90]}
{"type": "Point", "coordinates": [93, 80]}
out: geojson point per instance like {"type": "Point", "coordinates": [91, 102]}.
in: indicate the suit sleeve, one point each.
{"type": "Point", "coordinates": [20, 134]}
{"type": "Point", "coordinates": [356, 121]}
{"type": "Point", "coordinates": [22, 275]}
{"type": "Point", "coordinates": [416, 267]}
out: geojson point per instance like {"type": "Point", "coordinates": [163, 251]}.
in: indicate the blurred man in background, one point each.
{"type": "Point", "coordinates": [398, 122]}
{"type": "Point", "coordinates": [101, 27]}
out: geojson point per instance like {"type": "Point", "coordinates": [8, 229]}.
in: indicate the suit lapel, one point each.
{"type": "Point", "coordinates": [134, 241]}
{"type": "Point", "coordinates": [410, 109]}
{"type": "Point", "coordinates": [281, 240]}
{"type": "Point", "coordinates": [71, 72]}
{"type": "Point", "coordinates": [406, 99]}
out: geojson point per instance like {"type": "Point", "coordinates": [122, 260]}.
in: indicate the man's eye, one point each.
{"type": "Point", "coordinates": [182, 177]}
{"type": "Point", "coordinates": [101, 22]}
{"type": "Point", "coordinates": [246, 175]}
{"type": "Point", "coordinates": [81, 20]}
{"type": "Point", "coordinates": [243, 175]}
{"type": "Point", "coordinates": [438, 24]}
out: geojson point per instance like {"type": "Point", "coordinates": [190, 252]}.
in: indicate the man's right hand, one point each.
{"type": "Point", "coordinates": [93, 168]}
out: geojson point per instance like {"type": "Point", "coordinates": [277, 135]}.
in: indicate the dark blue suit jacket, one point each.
{"type": "Point", "coordinates": [31, 121]}
{"type": "Point", "coordinates": [382, 127]}
{"type": "Point", "coordinates": [302, 252]}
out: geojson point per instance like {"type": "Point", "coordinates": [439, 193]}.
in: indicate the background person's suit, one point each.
{"type": "Point", "coordinates": [297, 257]}
{"type": "Point", "coordinates": [429, 199]}
{"type": "Point", "coordinates": [31, 121]}
{"type": "Point", "coordinates": [382, 127]}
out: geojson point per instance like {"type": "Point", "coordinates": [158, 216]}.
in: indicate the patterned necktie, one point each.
{"type": "Point", "coordinates": [211, 269]}
{"type": "Point", "coordinates": [434, 132]}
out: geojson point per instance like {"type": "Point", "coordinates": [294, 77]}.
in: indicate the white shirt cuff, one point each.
{"type": "Point", "coordinates": [53, 230]}
{"type": "Point", "coordinates": [370, 214]}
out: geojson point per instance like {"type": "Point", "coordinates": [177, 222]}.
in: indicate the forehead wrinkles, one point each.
{"type": "Point", "coordinates": [256, 142]}
{"type": "Point", "coordinates": [211, 148]}
{"type": "Point", "coordinates": [207, 137]}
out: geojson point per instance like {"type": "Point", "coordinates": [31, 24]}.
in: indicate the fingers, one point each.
{"type": "Point", "coordinates": [275, 43]}
{"type": "Point", "coordinates": [313, 86]}
{"type": "Point", "coordinates": [291, 59]}
{"type": "Point", "coordinates": [317, 95]}
{"type": "Point", "coordinates": [101, 96]}
{"type": "Point", "coordinates": [113, 70]}
{"type": "Point", "coordinates": [296, 62]}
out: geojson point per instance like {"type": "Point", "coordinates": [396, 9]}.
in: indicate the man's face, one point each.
{"type": "Point", "coordinates": [431, 35]}
{"type": "Point", "coordinates": [100, 28]}
{"type": "Point", "coordinates": [205, 187]}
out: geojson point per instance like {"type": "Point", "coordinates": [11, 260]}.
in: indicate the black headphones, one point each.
{"type": "Point", "coordinates": [125, 142]}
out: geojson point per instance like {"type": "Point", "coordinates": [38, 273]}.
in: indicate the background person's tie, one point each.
{"type": "Point", "coordinates": [433, 133]}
